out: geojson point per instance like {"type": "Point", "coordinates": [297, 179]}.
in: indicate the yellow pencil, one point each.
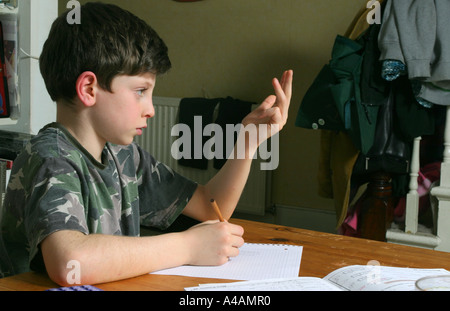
{"type": "Point", "coordinates": [217, 210]}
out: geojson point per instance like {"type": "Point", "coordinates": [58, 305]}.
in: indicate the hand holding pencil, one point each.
{"type": "Point", "coordinates": [215, 242]}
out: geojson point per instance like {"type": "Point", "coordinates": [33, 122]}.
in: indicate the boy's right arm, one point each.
{"type": "Point", "coordinates": [106, 258]}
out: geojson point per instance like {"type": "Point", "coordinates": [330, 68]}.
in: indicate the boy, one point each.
{"type": "Point", "coordinates": [82, 188]}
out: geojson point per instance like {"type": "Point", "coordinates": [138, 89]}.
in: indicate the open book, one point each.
{"type": "Point", "coordinates": [350, 278]}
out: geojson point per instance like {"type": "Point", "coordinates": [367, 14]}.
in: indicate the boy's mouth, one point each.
{"type": "Point", "coordinates": [140, 130]}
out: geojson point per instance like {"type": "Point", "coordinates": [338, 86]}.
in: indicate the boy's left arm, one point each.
{"type": "Point", "coordinates": [227, 185]}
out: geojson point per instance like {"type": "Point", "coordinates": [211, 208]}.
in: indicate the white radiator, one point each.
{"type": "Point", "coordinates": [157, 140]}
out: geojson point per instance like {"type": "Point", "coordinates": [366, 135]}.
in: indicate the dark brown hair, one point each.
{"type": "Point", "coordinates": [109, 41]}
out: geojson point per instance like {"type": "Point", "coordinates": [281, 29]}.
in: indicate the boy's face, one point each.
{"type": "Point", "coordinates": [122, 114]}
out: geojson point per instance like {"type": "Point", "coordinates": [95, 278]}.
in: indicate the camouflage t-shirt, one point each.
{"type": "Point", "coordinates": [57, 185]}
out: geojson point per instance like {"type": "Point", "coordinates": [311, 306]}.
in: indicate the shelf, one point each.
{"type": "Point", "coordinates": [28, 93]}
{"type": "Point", "coordinates": [6, 9]}
{"type": "Point", "coordinates": [7, 121]}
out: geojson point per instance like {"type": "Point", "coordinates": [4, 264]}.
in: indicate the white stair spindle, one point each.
{"type": "Point", "coordinates": [412, 198]}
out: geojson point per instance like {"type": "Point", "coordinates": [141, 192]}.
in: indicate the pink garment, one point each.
{"type": "Point", "coordinates": [427, 175]}
{"type": "Point", "coordinates": [350, 225]}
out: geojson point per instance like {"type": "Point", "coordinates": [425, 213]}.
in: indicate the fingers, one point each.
{"type": "Point", "coordinates": [220, 244]}
{"type": "Point", "coordinates": [283, 93]}
{"type": "Point", "coordinates": [234, 240]}
{"type": "Point", "coordinates": [284, 88]}
{"type": "Point", "coordinates": [212, 243]}
{"type": "Point", "coordinates": [232, 250]}
{"type": "Point", "coordinates": [286, 83]}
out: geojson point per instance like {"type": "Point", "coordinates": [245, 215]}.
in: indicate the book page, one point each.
{"type": "Point", "coordinates": [289, 284]}
{"type": "Point", "coordinates": [379, 278]}
{"type": "Point", "coordinates": [255, 262]}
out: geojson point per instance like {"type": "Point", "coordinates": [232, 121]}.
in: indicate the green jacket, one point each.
{"type": "Point", "coordinates": [333, 102]}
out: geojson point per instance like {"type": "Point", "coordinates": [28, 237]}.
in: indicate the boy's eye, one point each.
{"type": "Point", "coordinates": [140, 92]}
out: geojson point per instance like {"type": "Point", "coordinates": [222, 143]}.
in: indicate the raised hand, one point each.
{"type": "Point", "coordinates": [274, 110]}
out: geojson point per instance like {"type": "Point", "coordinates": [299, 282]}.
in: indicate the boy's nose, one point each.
{"type": "Point", "coordinates": [149, 109]}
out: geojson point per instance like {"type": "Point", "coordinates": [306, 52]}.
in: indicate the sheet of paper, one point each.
{"type": "Point", "coordinates": [255, 262]}
{"type": "Point", "coordinates": [288, 284]}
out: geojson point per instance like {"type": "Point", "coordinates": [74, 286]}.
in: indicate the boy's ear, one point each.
{"type": "Point", "coordinates": [86, 88]}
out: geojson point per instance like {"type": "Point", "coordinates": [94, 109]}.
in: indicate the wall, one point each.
{"type": "Point", "coordinates": [235, 47]}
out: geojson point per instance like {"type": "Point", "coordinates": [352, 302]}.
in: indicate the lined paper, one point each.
{"type": "Point", "coordinates": [255, 262]}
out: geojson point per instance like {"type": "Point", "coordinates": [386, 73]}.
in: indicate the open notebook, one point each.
{"type": "Point", "coordinates": [350, 278]}
{"type": "Point", "coordinates": [255, 262]}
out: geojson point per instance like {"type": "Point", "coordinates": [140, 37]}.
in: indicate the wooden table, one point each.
{"type": "Point", "coordinates": [322, 253]}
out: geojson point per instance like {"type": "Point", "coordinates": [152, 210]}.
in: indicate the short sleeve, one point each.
{"type": "Point", "coordinates": [163, 193]}
{"type": "Point", "coordinates": [53, 201]}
